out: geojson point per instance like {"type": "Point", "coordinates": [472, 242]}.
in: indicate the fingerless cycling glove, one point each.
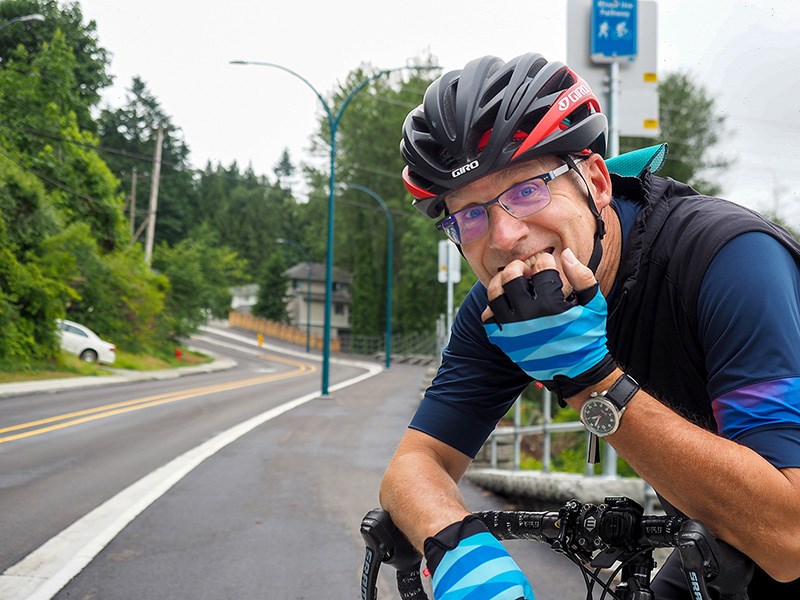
{"type": "Point", "coordinates": [467, 561]}
{"type": "Point", "coordinates": [558, 342]}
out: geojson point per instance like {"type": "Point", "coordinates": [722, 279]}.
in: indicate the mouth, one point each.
{"type": "Point", "coordinates": [531, 260]}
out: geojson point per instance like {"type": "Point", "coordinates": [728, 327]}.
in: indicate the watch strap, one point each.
{"type": "Point", "coordinates": [622, 390]}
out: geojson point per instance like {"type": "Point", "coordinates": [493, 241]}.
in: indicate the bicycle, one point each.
{"type": "Point", "coordinates": [594, 537]}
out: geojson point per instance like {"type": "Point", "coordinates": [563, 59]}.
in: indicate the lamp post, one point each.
{"type": "Point", "coordinates": [333, 124]}
{"type": "Point", "coordinates": [34, 17]}
{"type": "Point", "coordinates": [308, 286]}
{"type": "Point", "coordinates": [389, 244]}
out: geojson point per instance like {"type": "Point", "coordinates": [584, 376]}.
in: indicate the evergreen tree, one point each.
{"type": "Point", "coordinates": [273, 286]}
{"type": "Point", "coordinates": [131, 131]}
{"type": "Point", "coordinates": [284, 170]}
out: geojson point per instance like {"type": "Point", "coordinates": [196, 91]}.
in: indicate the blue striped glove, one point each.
{"type": "Point", "coordinates": [558, 342]}
{"type": "Point", "coordinates": [468, 562]}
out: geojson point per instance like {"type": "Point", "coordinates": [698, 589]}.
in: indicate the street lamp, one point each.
{"type": "Point", "coordinates": [308, 286]}
{"type": "Point", "coordinates": [333, 124]}
{"type": "Point", "coordinates": [34, 17]}
{"type": "Point", "coordinates": [389, 244]}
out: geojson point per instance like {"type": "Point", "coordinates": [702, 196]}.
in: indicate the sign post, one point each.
{"type": "Point", "coordinates": [449, 273]}
{"type": "Point", "coordinates": [614, 38]}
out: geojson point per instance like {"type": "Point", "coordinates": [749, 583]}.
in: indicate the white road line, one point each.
{"type": "Point", "coordinates": [46, 570]}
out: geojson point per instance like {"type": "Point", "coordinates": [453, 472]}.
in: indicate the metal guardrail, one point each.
{"type": "Point", "coordinates": [546, 429]}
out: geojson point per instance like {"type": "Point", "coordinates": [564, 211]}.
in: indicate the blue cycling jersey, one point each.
{"type": "Point", "coordinates": [750, 347]}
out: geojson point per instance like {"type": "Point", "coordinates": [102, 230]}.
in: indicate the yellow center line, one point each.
{"type": "Point", "coordinates": [101, 412]}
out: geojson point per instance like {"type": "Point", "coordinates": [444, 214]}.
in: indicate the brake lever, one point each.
{"type": "Point", "coordinates": [711, 563]}
{"type": "Point", "coordinates": [385, 544]}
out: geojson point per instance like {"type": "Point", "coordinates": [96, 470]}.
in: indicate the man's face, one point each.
{"type": "Point", "coordinates": [566, 222]}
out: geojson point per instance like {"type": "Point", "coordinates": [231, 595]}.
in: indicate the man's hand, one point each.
{"type": "Point", "coordinates": [560, 342]}
{"type": "Point", "coordinates": [467, 561]}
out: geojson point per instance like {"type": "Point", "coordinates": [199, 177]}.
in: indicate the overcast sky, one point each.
{"type": "Point", "coordinates": [746, 54]}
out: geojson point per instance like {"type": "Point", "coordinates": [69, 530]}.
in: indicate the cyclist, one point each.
{"type": "Point", "coordinates": [671, 319]}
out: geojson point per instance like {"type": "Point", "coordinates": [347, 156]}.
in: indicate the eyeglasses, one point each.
{"type": "Point", "coordinates": [520, 200]}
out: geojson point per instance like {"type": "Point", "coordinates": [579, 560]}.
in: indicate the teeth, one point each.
{"type": "Point", "coordinates": [530, 261]}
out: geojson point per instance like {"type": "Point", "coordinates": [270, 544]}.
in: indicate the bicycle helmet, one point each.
{"type": "Point", "coordinates": [492, 114]}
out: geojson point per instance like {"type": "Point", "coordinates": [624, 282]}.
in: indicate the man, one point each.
{"type": "Point", "coordinates": [688, 347]}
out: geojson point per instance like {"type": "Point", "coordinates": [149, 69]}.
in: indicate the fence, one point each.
{"type": "Point", "coordinates": [281, 331]}
{"type": "Point", "coordinates": [545, 429]}
{"type": "Point", "coordinates": [416, 347]}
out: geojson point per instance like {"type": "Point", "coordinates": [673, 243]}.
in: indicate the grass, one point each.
{"type": "Point", "coordinates": [68, 365]}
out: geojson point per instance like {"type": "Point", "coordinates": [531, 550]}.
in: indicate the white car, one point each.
{"type": "Point", "coordinates": [85, 343]}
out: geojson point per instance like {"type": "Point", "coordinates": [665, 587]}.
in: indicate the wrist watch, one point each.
{"type": "Point", "coordinates": [602, 412]}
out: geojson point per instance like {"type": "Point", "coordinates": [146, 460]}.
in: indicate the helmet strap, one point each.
{"type": "Point", "coordinates": [600, 230]}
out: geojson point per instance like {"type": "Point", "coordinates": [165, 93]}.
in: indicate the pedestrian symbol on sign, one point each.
{"type": "Point", "coordinates": [613, 30]}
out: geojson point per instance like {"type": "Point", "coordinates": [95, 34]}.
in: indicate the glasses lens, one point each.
{"type": "Point", "coordinates": [522, 200]}
{"type": "Point", "coordinates": [450, 227]}
{"type": "Point", "coordinates": [526, 198]}
{"type": "Point", "coordinates": [472, 223]}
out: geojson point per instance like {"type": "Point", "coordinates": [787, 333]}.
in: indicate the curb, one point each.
{"type": "Point", "coordinates": [120, 376]}
{"type": "Point", "coordinates": [557, 488]}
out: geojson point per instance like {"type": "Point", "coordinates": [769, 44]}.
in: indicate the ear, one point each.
{"type": "Point", "coordinates": [596, 174]}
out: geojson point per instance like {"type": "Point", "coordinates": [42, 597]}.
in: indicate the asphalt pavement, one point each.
{"type": "Point", "coordinates": [333, 450]}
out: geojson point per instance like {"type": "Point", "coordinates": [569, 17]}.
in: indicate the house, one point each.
{"type": "Point", "coordinates": [306, 298]}
{"type": "Point", "coordinates": [244, 297]}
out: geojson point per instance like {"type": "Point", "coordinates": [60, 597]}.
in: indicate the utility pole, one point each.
{"type": "Point", "coordinates": [151, 217]}
{"type": "Point", "coordinates": [132, 205]}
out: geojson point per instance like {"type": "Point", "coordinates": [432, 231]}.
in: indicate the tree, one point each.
{"type": "Point", "coordinates": [131, 130]}
{"type": "Point", "coordinates": [367, 155]}
{"type": "Point", "coordinates": [273, 285]}
{"type": "Point", "coordinates": [691, 127]}
{"type": "Point", "coordinates": [112, 292]}
{"type": "Point", "coordinates": [200, 272]}
{"type": "Point", "coordinates": [284, 170]}
{"type": "Point", "coordinates": [40, 130]}
{"type": "Point", "coordinates": [90, 67]}
{"type": "Point", "coordinates": [32, 291]}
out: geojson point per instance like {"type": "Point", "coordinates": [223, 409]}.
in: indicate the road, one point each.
{"type": "Point", "coordinates": [242, 483]}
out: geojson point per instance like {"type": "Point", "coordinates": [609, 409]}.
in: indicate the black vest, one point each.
{"type": "Point", "coordinates": [652, 324]}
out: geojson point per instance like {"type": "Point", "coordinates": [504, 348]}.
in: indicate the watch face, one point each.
{"type": "Point", "coordinates": [599, 417]}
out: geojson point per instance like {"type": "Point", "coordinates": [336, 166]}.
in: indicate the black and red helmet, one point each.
{"type": "Point", "coordinates": [491, 114]}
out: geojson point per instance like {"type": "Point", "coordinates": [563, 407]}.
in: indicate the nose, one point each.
{"type": "Point", "coordinates": [505, 230]}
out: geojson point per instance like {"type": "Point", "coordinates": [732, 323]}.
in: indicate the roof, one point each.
{"type": "Point", "coordinates": [244, 290]}
{"type": "Point", "coordinates": [299, 271]}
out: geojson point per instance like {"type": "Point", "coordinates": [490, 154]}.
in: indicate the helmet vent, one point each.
{"type": "Point", "coordinates": [493, 90]}
{"type": "Point", "coordinates": [421, 123]}
{"type": "Point", "coordinates": [559, 82]}
{"type": "Point", "coordinates": [449, 108]}
{"type": "Point", "coordinates": [537, 66]}
{"type": "Point", "coordinates": [443, 157]}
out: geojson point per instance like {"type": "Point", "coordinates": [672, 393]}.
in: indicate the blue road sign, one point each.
{"type": "Point", "coordinates": [614, 29]}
